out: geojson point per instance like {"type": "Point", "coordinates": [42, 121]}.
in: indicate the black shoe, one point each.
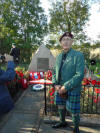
{"type": "Point", "coordinates": [59, 125]}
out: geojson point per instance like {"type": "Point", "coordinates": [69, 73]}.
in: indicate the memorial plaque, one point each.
{"type": "Point", "coordinates": [42, 64]}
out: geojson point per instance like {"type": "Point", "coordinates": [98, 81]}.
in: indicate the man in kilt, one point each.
{"type": "Point", "coordinates": [67, 76]}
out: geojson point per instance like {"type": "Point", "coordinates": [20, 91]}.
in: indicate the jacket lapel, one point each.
{"type": "Point", "coordinates": [59, 61]}
{"type": "Point", "coordinates": [68, 58]}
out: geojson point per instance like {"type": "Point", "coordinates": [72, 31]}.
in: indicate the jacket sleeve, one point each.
{"type": "Point", "coordinates": [9, 74]}
{"type": "Point", "coordinates": [78, 77]}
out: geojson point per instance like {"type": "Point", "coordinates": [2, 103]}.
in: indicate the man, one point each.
{"type": "Point", "coordinates": [6, 102]}
{"type": "Point", "coordinates": [67, 77]}
{"type": "Point", "coordinates": [15, 52]}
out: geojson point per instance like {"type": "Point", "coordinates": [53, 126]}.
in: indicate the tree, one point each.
{"type": "Point", "coordinates": [71, 19]}
{"type": "Point", "coordinates": [33, 21]}
{"type": "Point", "coordinates": [33, 25]}
{"type": "Point", "coordinates": [22, 22]}
{"type": "Point", "coordinates": [85, 48]}
{"type": "Point", "coordinates": [5, 31]}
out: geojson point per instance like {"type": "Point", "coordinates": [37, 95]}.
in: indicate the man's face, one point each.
{"type": "Point", "coordinates": [66, 42]}
{"type": "Point", "coordinates": [13, 46]}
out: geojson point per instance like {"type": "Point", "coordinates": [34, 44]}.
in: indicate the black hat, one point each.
{"type": "Point", "coordinates": [69, 34]}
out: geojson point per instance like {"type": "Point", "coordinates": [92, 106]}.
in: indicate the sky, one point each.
{"type": "Point", "coordinates": [92, 27]}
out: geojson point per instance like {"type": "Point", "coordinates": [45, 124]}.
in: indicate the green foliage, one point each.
{"type": "Point", "coordinates": [96, 68]}
{"type": "Point", "coordinates": [96, 45]}
{"type": "Point", "coordinates": [52, 42]}
{"type": "Point", "coordinates": [72, 20]}
{"type": "Point", "coordinates": [85, 49]}
{"type": "Point", "coordinates": [22, 22]}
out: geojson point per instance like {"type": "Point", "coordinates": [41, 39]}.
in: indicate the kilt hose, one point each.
{"type": "Point", "coordinates": [72, 103]}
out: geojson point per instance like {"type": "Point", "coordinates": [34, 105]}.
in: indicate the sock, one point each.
{"type": "Point", "coordinates": [76, 120]}
{"type": "Point", "coordinates": [62, 113]}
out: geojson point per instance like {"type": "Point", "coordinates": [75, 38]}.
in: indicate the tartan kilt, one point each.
{"type": "Point", "coordinates": [58, 100]}
{"type": "Point", "coordinates": [73, 102]}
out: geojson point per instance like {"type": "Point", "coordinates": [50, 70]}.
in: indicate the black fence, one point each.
{"type": "Point", "coordinates": [90, 100]}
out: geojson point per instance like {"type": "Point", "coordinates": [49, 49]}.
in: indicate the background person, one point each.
{"type": "Point", "coordinates": [6, 102]}
{"type": "Point", "coordinates": [67, 77]}
{"type": "Point", "coordinates": [15, 52]}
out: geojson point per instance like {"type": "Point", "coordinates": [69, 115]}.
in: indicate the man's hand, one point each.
{"type": "Point", "coordinates": [57, 87]}
{"type": "Point", "coordinates": [62, 90]}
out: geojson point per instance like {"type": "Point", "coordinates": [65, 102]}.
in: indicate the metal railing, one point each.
{"type": "Point", "coordinates": [90, 100]}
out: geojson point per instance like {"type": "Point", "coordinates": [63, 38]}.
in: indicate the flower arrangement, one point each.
{"type": "Point", "coordinates": [19, 83]}
{"type": "Point", "coordinates": [22, 77]}
{"type": "Point", "coordinates": [51, 91]}
{"type": "Point", "coordinates": [89, 81]}
{"type": "Point", "coordinates": [48, 75]}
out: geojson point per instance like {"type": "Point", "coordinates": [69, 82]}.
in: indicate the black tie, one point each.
{"type": "Point", "coordinates": [62, 62]}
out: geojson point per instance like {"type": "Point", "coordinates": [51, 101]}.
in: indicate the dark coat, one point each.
{"type": "Point", "coordinates": [15, 52]}
{"type": "Point", "coordinates": [6, 102]}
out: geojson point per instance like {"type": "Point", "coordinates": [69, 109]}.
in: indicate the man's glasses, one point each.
{"type": "Point", "coordinates": [66, 39]}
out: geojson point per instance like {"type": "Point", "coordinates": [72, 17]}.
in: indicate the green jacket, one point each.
{"type": "Point", "coordinates": [72, 72]}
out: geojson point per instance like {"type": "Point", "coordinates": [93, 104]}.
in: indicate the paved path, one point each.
{"type": "Point", "coordinates": [27, 117]}
{"type": "Point", "coordinates": [86, 125]}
